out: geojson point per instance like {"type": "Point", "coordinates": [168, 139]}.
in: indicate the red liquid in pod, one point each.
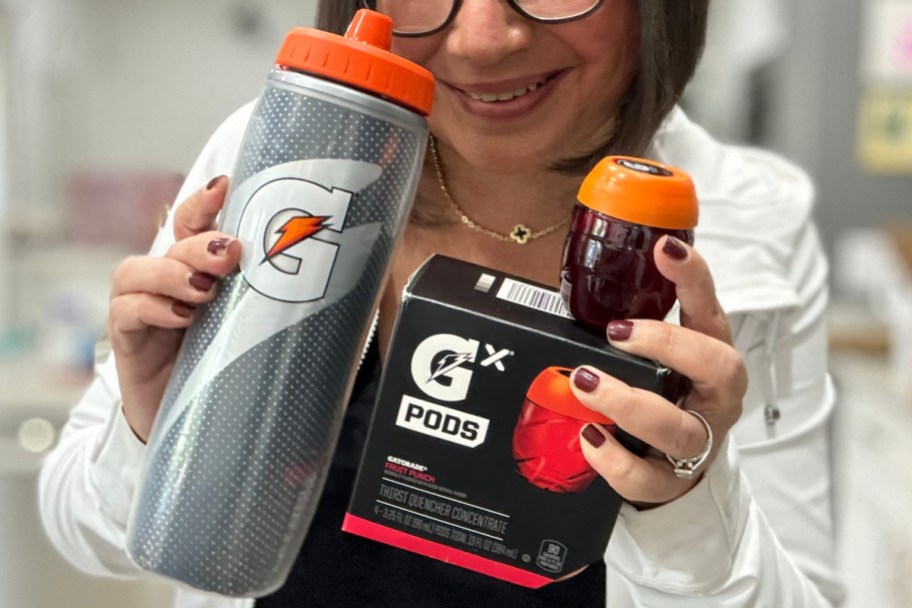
{"type": "Point", "coordinates": [609, 272]}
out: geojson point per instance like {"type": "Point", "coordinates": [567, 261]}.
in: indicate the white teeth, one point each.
{"type": "Point", "coordinates": [491, 97]}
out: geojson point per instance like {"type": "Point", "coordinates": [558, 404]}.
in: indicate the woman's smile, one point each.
{"type": "Point", "coordinates": [509, 99]}
{"type": "Point", "coordinates": [513, 93]}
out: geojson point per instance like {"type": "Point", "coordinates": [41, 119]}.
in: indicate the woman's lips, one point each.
{"type": "Point", "coordinates": [505, 100]}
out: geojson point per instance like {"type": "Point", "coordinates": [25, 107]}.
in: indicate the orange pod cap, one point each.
{"type": "Point", "coordinates": [642, 192]}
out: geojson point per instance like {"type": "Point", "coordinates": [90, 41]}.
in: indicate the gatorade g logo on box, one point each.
{"type": "Point", "coordinates": [295, 228]}
{"type": "Point", "coordinates": [441, 368]}
{"type": "Point", "coordinates": [437, 366]}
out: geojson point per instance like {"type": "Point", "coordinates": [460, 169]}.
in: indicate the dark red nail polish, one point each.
{"type": "Point", "coordinates": [218, 246]}
{"type": "Point", "coordinates": [213, 182]}
{"type": "Point", "coordinates": [620, 330]}
{"type": "Point", "coordinates": [585, 380]}
{"type": "Point", "coordinates": [593, 436]}
{"type": "Point", "coordinates": [182, 309]}
{"type": "Point", "coordinates": [674, 249]}
{"type": "Point", "coordinates": [201, 281]}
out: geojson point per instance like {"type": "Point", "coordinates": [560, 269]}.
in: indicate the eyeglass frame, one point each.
{"type": "Point", "coordinates": [457, 4]}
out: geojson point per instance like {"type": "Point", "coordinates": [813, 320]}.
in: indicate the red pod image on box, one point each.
{"type": "Point", "coordinates": [322, 188]}
{"type": "Point", "coordinates": [546, 442]}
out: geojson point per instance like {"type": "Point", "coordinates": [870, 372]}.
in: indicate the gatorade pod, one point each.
{"type": "Point", "coordinates": [608, 270]}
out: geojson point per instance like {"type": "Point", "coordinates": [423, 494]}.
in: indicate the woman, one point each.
{"type": "Point", "coordinates": [530, 95]}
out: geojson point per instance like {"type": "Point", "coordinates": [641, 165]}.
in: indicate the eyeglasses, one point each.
{"type": "Point", "coordinates": [413, 18]}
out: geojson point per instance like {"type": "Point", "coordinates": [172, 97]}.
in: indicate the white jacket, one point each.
{"type": "Point", "coordinates": [756, 531]}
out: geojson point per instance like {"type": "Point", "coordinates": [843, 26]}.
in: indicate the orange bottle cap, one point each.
{"type": "Point", "coordinates": [361, 58]}
{"type": "Point", "coordinates": [641, 192]}
{"type": "Point", "coordinates": [551, 390]}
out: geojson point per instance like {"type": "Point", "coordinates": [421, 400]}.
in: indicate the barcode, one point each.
{"type": "Point", "coordinates": [533, 297]}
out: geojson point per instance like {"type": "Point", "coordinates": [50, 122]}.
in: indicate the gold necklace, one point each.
{"type": "Point", "coordinates": [521, 233]}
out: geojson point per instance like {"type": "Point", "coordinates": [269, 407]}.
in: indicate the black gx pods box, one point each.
{"type": "Point", "coordinates": [473, 454]}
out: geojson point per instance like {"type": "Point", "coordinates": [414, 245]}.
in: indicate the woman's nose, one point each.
{"type": "Point", "coordinates": [485, 32]}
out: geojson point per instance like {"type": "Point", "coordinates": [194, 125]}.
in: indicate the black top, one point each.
{"type": "Point", "coordinates": [338, 569]}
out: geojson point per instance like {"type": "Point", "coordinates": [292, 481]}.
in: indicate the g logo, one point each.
{"type": "Point", "coordinates": [437, 366]}
{"type": "Point", "coordinates": [285, 256]}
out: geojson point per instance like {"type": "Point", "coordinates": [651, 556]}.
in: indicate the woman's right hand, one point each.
{"type": "Point", "coordinates": [153, 299]}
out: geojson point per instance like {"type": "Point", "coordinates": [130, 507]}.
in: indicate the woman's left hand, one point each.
{"type": "Point", "coordinates": [701, 349]}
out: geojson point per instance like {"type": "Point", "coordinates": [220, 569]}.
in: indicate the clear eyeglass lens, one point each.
{"type": "Point", "coordinates": [556, 9]}
{"type": "Point", "coordinates": [417, 16]}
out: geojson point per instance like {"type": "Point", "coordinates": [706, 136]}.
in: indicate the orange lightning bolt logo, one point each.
{"type": "Point", "coordinates": [294, 231]}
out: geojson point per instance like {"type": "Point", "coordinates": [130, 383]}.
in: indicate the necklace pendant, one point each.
{"type": "Point", "coordinates": [520, 234]}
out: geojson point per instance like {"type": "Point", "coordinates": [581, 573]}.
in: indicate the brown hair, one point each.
{"type": "Point", "coordinates": [672, 34]}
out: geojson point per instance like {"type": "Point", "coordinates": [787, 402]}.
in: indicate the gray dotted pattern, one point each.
{"type": "Point", "coordinates": [230, 490]}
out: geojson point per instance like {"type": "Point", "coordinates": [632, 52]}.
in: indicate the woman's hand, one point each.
{"type": "Point", "coordinates": [153, 299]}
{"type": "Point", "coordinates": [701, 349]}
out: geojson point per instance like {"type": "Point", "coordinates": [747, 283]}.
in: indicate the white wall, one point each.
{"type": "Point", "coordinates": [5, 300]}
{"type": "Point", "coordinates": [4, 105]}
{"type": "Point", "coordinates": [164, 73]}
{"type": "Point", "coordinates": [132, 84]}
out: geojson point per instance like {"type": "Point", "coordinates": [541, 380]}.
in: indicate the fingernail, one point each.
{"type": "Point", "coordinates": [593, 436]}
{"type": "Point", "coordinates": [182, 309]}
{"type": "Point", "coordinates": [620, 330]}
{"type": "Point", "coordinates": [214, 182]}
{"type": "Point", "coordinates": [585, 380]}
{"type": "Point", "coordinates": [201, 280]}
{"type": "Point", "coordinates": [674, 249]}
{"type": "Point", "coordinates": [218, 246]}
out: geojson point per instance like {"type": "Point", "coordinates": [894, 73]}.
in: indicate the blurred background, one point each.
{"type": "Point", "coordinates": [104, 104]}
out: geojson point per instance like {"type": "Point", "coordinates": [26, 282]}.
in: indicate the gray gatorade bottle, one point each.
{"type": "Point", "coordinates": [322, 189]}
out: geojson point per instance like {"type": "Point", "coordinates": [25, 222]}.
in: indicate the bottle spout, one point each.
{"type": "Point", "coordinates": [371, 27]}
